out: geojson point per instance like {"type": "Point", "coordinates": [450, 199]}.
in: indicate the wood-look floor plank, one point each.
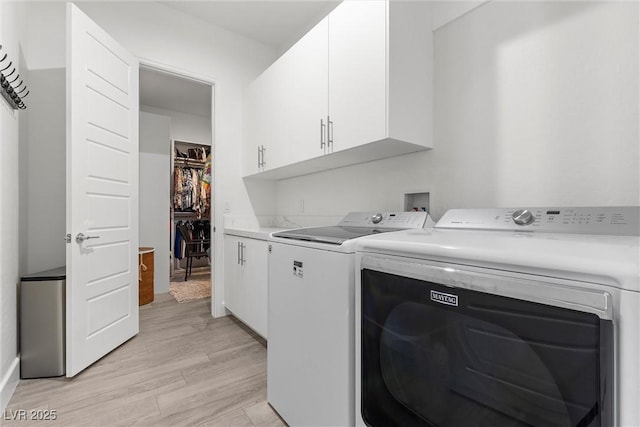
{"type": "Point", "coordinates": [184, 368]}
{"type": "Point", "coordinates": [261, 414]}
{"type": "Point", "coordinates": [161, 383]}
{"type": "Point", "coordinates": [213, 399]}
{"type": "Point", "coordinates": [237, 418]}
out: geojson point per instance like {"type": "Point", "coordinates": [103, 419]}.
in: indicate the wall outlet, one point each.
{"type": "Point", "coordinates": [227, 207]}
{"type": "Point", "coordinates": [301, 206]}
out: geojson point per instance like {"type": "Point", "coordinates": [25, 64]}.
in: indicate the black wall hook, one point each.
{"type": "Point", "coordinates": [13, 94]}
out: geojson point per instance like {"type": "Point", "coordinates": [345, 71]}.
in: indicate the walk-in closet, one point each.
{"type": "Point", "coordinates": [191, 210]}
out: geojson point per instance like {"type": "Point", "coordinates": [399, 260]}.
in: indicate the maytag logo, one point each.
{"type": "Point", "coordinates": [443, 298]}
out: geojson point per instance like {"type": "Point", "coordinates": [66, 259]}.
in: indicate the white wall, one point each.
{"type": "Point", "coordinates": [185, 127]}
{"type": "Point", "coordinates": [155, 169]}
{"type": "Point", "coordinates": [46, 171]}
{"type": "Point", "coordinates": [45, 40]}
{"type": "Point", "coordinates": [536, 104]}
{"type": "Point", "coordinates": [162, 36]}
{"type": "Point", "coordinates": [444, 12]}
{"type": "Point", "coordinates": [12, 18]}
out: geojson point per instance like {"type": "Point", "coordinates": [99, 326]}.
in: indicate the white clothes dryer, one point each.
{"type": "Point", "coordinates": [501, 317]}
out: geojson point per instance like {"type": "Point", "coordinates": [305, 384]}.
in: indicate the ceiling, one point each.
{"type": "Point", "coordinates": [278, 24]}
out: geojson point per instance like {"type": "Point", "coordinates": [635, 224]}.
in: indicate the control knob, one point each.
{"type": "Point", "coordinates": [522, 217]}
{"type": "Point", "coordinates": [376, 218]}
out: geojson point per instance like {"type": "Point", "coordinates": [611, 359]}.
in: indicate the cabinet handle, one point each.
{"type": "Point", "coordinates": [238, 253]}
{"type": "Point", "coordinates": [322, 126]}
{"type": "Point", "coordinates": [329, 132]}
{"type": "Point", "coordinates": [261, 161]}
{"type": "Point", "coordinates": [242, 247]}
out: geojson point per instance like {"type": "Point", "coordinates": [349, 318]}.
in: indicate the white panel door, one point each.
{"type": "Point", "coordinates": [102, 193]}
{"type": "Point", "coordinates": [357, 73]}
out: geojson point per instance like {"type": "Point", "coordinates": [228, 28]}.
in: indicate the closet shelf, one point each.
{"type": "Point", "coordinates": [182, 215]}
{"type": "Point", "coordinates": [192, 163]}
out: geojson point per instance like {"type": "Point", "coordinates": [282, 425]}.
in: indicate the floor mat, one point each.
{"type": "Point", "coordinates": [190, 290]}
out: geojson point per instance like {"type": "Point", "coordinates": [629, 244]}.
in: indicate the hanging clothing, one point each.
{"type": "Point", "coordinates": [195, 181]}
{"type": "Point", "coordinates": [177, 246]}
{"type": "Point", "coordinates": [190, 190]}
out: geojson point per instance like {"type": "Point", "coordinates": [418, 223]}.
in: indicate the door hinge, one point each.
{"type": "Point", "coordinates": [67, 238]}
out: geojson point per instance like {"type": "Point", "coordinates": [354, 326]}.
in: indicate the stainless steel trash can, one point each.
{"type": "Point", "coordinates": [42, 324]}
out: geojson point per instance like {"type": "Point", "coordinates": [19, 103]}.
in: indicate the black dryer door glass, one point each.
{"type": "Point", "coordinates": [437, 356]}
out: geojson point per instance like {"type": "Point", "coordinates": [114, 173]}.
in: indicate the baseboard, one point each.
{"type": "Point", "coordinates": [9, 383]}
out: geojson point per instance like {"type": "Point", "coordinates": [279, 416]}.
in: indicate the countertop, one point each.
{"type": "Point", "coordinates": [260, 233]}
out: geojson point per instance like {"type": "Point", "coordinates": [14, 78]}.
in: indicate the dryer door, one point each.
{"type": "Point", "coordinates": [437, 355]}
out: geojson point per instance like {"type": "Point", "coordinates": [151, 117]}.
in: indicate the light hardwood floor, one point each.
{"type": "Point", "coordinates": [184, 368]}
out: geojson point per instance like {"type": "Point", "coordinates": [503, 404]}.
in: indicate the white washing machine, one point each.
{"type": "Point", "coordinates": [501, 317]}
{"type": "Point", "coordinates": [310, 352]}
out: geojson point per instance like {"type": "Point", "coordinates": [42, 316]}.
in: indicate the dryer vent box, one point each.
{"type": "Point", "coordinates": [416, 202]}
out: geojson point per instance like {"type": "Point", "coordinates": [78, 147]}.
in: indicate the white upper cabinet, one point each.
{"type": "Point", "coordinates": [357, 74]}
{"type": "Point", "coordinates": [283, 106]}
{"type": "Point", "coordinates": [259, 116]}
{"type": "Point", "coordinates": [356, 88]}
{"type": "Point", "coordinates": [303, 99]}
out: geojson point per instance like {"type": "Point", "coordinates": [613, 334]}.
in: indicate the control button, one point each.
{"type": "Point", "coordinates": [522, 217]}
{"type": "Point", "coordinates": [376, 218]}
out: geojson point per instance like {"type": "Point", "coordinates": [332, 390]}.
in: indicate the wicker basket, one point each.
{"type": "Point", "coordinates": [145, 275]}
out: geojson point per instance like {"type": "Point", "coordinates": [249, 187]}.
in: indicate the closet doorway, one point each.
{"type": "Point", "coordinates": [176, 180]}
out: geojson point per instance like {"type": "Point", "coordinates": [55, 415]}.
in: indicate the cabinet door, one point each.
{"type": "Point", "coordinates": [358, 73]}
{"type": "Point", "coordinates": [260, 112]}
{"type": "Point", "coordinates": [254, 284]}
{"type": "Point", "coordinates": [303, 97]}
{"type": "Point", "coordinates": [232, 300]}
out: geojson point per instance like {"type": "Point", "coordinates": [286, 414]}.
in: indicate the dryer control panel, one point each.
{"type": "Point", "coordinates": [385, 219]}
{"type": "Point", "coordinates": [619, 221]}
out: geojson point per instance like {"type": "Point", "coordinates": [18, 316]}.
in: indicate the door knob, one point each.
{"type": "Point", "coordinates": [81, 237]}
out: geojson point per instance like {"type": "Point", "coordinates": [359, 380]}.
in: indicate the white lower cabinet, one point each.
{"type": "Point", "coordinates": [245, 281]}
